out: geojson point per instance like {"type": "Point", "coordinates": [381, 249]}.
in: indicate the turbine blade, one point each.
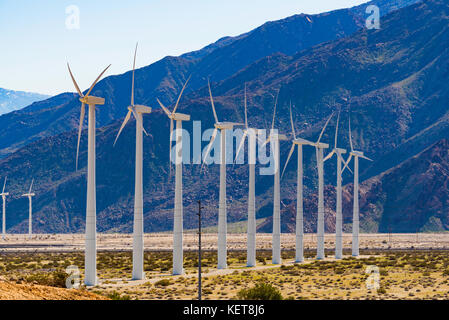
{"type": "Point", "coordinates": [274, 112]}
{"type": "Point", "coordinates": [329, 156]}
{"type": "Point", "coordinates": [288, 159]}
{"type": "Point", "coordinates": [347, 163]}
{"type": "Point", "coordinates": [336, 130]}
{"type": "Point", "coordinates": [31, 186]}
{"type": "Point", "coordinates": [291, 121]}
{"type": "Point", "coordinates": [209, 147]}
{"type": "Point", "coordinates": [366, 158]}
{"type": "Point", "coordinates": [246, 110]}
{"type": "Point", "coordinates": [350, 133]}
{"type": "Point", "coordinates": [80, 128]}
{"type": "Point", "coordinates": [134, 69]}
{"type": "Point", "coordinates": [180, 95]}
{"type": "Point", "coordinates": [138, 120]}
{"type": "Point", "coordinates": [167, 112]}
{"type": "Point", "coordinates": [96, 80]}
{"type": "Point", "coordinates": [212, 102]}
{"type": "Point", "coordinates": [128, 116]}
{"type": "Point", "coordinates": [74, 82]}
{"type": "Point", "coordinates": [242, 143]}
{"type": "Point", "coordinates": [170, 142]}
{"type": "Point", "coordinates": [266, 142]}
{"type": "Point", "coordinates": [325, 126]}
{"type": "Point", "coordinates": [343, 160]}
{"type": "Point", "coordinates": [4, 185]}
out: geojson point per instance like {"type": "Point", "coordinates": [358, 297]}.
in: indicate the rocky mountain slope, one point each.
{"type": "Point", "coordinates": [411, 197]}
{"type": "Point", "coordinates": [165, 78]}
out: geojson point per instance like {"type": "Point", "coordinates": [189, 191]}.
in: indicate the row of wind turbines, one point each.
{"type": "Point", "coordinates": [30, 196]}
{"type": "Point", "coordinates": [274, 139]}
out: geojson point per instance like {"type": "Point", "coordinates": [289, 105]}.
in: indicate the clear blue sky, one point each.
{"type": "Point", "coordinates": [35, 43]}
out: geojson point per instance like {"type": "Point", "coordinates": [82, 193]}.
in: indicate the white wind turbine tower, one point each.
{"type": "Point", "coordinates": [355, 213]}
{"type": "Point", "coordinates": [339, 216]}
{"type": "Point", "coordinates": [319, 147]}
{"type": "Point", "coordinates": [222, 219]}
{"type": "Point", "coordinates": [138, 234]}
{"type": "Point", "coordinates": [4, 194]}
{"type": "Point", "coordinates": [251, 230]}
{"type": "Point", "coordinates": [298, 142]}
{"type": "Point", "coordinates": [178, 257]}
{"type": "Point", "coordinates": [30, 195]}
{"type": "Point", "coordinates": [91, 210]}
{"type": "Point", "coordinates": [275, 139]}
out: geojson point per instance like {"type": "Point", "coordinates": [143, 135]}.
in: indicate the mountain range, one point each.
{"type": "Point", "coordinates": [11, 100]}
{"type": "Point", "coordinates": [389, 81]}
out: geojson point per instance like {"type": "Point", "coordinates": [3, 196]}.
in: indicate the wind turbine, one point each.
{"type": "Point", "coordinates": [30, 195]}
{"type": "Point", "coordinates": [298, 142]}
{"type": "Point", "coordinates": [178, 256]}
{"type": "Point", "coordinates": [4, 194]}
{"type": "Point", "coordinates": [319, 147]}
{"type": "Point", "coordinates": [222, 227]}
{"type": "Point", "coordinates": [339, 216]}
{"type": "Point", "coordinates": [138, 238]}
{"type": "Point", "coordinates": [274, 140]}
{"type": "Point", "coordinates": [355, 211]}
{"type": "Point", "coordinates": [251, 133]}
{"type": "Point", "coordinates": [91, 210]}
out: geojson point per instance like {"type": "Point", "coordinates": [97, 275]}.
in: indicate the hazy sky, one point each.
{"type": "Point", "coordinates": [36, 43]}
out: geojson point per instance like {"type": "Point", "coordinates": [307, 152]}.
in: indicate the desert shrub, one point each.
{"type": "Point", "coordinates": [162, 283]}
{"type": "Point", "coordinates": [117, 296]}
{"type": "Point", "coordinates": [53, 279]}
{"type": "Point", "coordinates": [339, 270]}
{"type": "Point", "coordinates": [381, 290]}
{"type": "Point", "coordinates": [262, 291]}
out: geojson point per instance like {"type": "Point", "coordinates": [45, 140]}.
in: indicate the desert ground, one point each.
{"type": "Point", "coordinates": [164, 241]}
{"type": "Point", "coordinates": [409, 266]}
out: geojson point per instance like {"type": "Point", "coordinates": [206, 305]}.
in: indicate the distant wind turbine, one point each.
{"type": "Point", "coordinates": [251, 133]}
{"type": "Point", "coordinates": [4, 194]}
{"type": "Point", "coordinates": [30, 195]}
{"type": "Point", "coordinates": [339, 216]}
{"type": "Point", "coordinates": [319, 147]}
{"type": "Point", "coordinates": [138, 238]}
{"type": "Point", "coordinates": [298, 142]}
{"type": "Point", "coordinates": [355, 212]}
{"type": "Point", "coordinates": [91, 210]}
{"type": "Point", "coordinates": [222, 219]}
{"type": "Point", "coordinates": [178, 256]}
{"type": "Point", "coordinates": [274, 140]}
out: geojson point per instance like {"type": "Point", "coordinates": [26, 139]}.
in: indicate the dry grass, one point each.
{"type": "Point", "coordinates": [408, 274]}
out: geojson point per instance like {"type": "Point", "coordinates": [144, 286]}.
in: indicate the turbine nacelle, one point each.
{"type": "Point", "coordinates": [300, 141]}
{"type": "Point", "coordinates": [340, 151]}
{"type": "Point", "coordinates": [180, 117]}
{"type": "Point", "coordinates": [320, 145]}
{"type": "Point", "coordinates": [359, 154]}
{"type": "Point", "coordinates": [92, 100]}
{"type": "Point", "coordinates": [4, 194]}
{"type": "Point", "coordinates": [140, 109]}
{"type": "Point", "coordinates": [279, 137]}
{"type": "Point", "coordinates": [28, 195]}
{"type": "Point", "coordinates": [227, 125]}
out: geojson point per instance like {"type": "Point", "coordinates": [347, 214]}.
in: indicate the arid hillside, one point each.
{"type": "Point", "coordinates": [26, 291]}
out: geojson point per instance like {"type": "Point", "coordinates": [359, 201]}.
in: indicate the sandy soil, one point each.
{"type": "Point", "coordinates": [164, 241]}
{"type": "Point", "coordinates": [13, 291]}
